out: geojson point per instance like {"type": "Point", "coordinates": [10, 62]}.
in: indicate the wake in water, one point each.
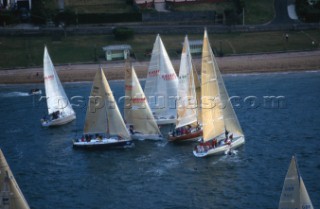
{"type": "Point", "coordinates": [15, 94]}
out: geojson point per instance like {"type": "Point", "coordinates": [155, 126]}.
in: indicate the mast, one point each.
{"type": "Point", "coordinates": [187, 99]}
{"type": "Point", "coordinates": [10, 192]}
{"type": "Point", "coordinates": [294, 194]}
{"type": "Point", "coordinates": [162, 82]}
{"type": "Point", "coordinates": [212, 116]}
{"type": "Point", "coordinates": [139, 112]}
{"type": "Point", "coordinates": [57, 99]}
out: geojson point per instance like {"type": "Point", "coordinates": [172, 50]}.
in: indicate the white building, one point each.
{"type": "Point", "coordinates": [7, 4]}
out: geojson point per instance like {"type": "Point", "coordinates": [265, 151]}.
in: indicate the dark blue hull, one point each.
{"type": "Point", "coordinates": [103, 146]}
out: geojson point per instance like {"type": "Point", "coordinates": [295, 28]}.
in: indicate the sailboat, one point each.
{"type": "Point", "coordinates": [59, 108]}
{"type": "Point", "coordinates": [11, 196]}
{"type": "Point", "coordinates": [187, 124]}
{"type": "Point", "coordinates": [221, 129]}
{"type": "Point", "coordinates": [161, 85]}
{"type": "Point", "coordinates": [104, 126]}
{"type": "Point", "coordinates": [137, 112]}
{"type": "Point", "coordinates": [294, 193]}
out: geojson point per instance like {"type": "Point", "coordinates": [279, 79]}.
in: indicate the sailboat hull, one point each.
{"type": "Point", "coordinates": [104, 143]}
{"type": "Point", "coordinates": [138, 136]}
{"type": "Point", "coordinates": [165, 121]}
{"type": "Point", "coordinates": [186, 137]}
{"type": "Point", "coordinates": [220, 149]}
{"type": "Point", "coordinates": [58, 121]}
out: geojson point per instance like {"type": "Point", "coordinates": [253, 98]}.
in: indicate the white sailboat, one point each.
{"type": "Point", "coordinates": [59, 108]}
{"type": "Point", "coordinates": [11, 196]}
{"type": "Point", "coordinates": [187, 126]}
{"type": "Point", "coordinates": [294, 193]}
{"type": "Point", "coordinates": [161, 85]}
{"type": "Point", "coordinates": [137, 112]}
{"type": "Point", "coordinates": [104, 126]}
{"type": "Point", "coordinates": [221, 129]}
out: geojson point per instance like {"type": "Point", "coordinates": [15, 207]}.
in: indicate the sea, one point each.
{"type": "Point", "coordinates": [279, 114]}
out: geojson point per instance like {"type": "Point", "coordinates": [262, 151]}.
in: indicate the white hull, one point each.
{"type": "Point", "coordinates": [35, 92]}
{"type": "Point", "coordinates": [164, 121]}
{"type": "Point", "coordinates": [139, 136]}
{"type": "Point", "coordinates": [221, 149]}
{"type": "Point", "coordinates": [58, 121]}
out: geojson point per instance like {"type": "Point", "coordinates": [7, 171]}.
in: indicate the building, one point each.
{"type": "Point", "coordinates": [113, 52]}
{"type": "Point", "coordinates": [17, 4]}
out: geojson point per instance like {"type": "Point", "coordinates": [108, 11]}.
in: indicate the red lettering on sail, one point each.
{"type": "Point", "coordinates": [138, 100]}
{"type": "Point", "coordinates": [167, 77]}
{"type": "Point", "coordinates": [153, 73]}
{"type": "Point", "coordinates": [49, 77]}
{"type": "Point", "coordinates": [128, 87]}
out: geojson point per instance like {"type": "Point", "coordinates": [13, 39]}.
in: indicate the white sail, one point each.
{"type": "Point", "coordinates": [294, 194]}
{"type": "Point", "coordinates": [161, 83]}
{"type": "Point", "coordinates": [217, 111]}
{"type": "Point", "coordinates": [96, 115]}
{"type": "Point", "coordinates": [137, 110]}
{"type": "Point", "coordinates": [57, 99]}
{"type": "Point", "coordinates": [103, 115]}
{"type": "Point", "coordinates": [11, 196]}
{"type": "Point", "coordinates": [229, 116]}
{"type": "Point", "coordinates": [197, 85]}
{"type": "Point", "coordinates": [187, 99]}
{"type": "Point", "coordinates": [212, 116]}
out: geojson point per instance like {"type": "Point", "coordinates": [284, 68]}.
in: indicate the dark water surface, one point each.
{"type": "Point", "coordinates": [164, 175]}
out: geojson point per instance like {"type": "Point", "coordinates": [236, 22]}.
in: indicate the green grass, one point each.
{"type": "Point", "coordinates": [100, 6]}
{"type": "Point", "coordinates": [258, 11]}
{"type": "Point", "coordinates": [28, 51]}
{"type": "Point", "coordinates": [218, 7]}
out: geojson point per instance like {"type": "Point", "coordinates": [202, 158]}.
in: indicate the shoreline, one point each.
{"type": "Point", "coordinates": [239, 64]}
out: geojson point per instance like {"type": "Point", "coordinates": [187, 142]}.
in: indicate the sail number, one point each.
{"type": "Point", "coordinates": [49, 77]}
{"type": "Point", "coordinates": [153, 73]}
{"type": "Point", "coordinates": [170, 76]}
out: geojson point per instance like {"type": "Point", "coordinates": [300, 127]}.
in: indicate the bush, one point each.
{"type": "Point", "coordinates": [123, 33]}
{"type": "Point", "coordinates": [67, 17]}
{"type": "Point", "coordinates": [7, 18]}
{"type": "Point", "coordinates": [307, 12]}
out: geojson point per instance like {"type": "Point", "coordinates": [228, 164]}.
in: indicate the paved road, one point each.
{"type": "Point", "coordinates": [281, 13]}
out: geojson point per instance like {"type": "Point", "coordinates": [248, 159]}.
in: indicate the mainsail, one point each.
{"type": "Point", "coordinates": [187, 99]}
{"type": "Point", "coordinates": [162, 82]}
{"type": "Point", "coordinates": [103, 115]}
{"type": "Point", "coordinates": [197, 85]}
{"type": "Point", "coordinates": [212, 116]}
{"type": "Point", "coordinates": [10, 193]}
{"type": "Point", "coordinates": [294, 194]}
{"type": "Point", "coordinates": [217, 112]}
{"type": "Point", "coordinates": [57, 99]}
{"type": "Point", "coordinates": [137, 111]}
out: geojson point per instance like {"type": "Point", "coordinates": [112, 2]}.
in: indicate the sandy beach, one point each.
{"type": "Point", "coordinates": [261, 63]}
